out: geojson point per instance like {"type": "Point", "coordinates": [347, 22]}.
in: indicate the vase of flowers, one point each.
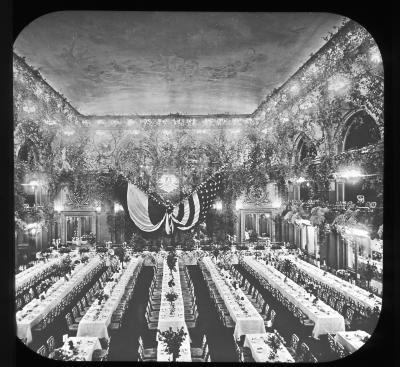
{"type": "Point", "coordinates": [171, 261]}
{"type": "Point", "coordinates": [172, 341]}
{"type": "Point", "coordinates": [171, 298]}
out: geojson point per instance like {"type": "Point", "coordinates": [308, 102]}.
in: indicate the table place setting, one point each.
{"type": "Point", "coordinates": [326, 319]}
{"type": "Point", "coordinates": [37, 309]}
{"type": "Point", "coordinates": [266, 347]}
{"type": "Point", "coordinates": [172, 313]}
{"type": "Point", "coordinates": [246, 317]}
{"type": "Point", "coordinates": [348, 289]}
{"type": "Point", "coordinates": [96, 320]}
{"type": "Point", "coordinates": [352, 340]}
{"type": "Point", "coordinates": [77, 349]}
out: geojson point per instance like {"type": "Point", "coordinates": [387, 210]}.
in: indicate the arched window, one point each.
{"type": "Point", "coordinates": [27, 153]}
{"type": "Point", "coordinates": [361, 131]}
{"type": "Point", "coordinates": [305, 149]}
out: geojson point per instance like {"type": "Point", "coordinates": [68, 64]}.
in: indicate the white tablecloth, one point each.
{"type": "Point", "coordinates": [31, 275]}
{"type": "Point", "coordinates": [98, 317]}
{"type": "Point", "coordinates": [36, 310]}
{"type": "Point", "coordinates": [246, 317]}
{"type": "Point", "coordinates": [172, 317]}
{"type": "Point", "coordinates": [85, 346]}
{"type": "Point", "coordinates": [326, 319]}
{"type": "Point", "coordinates": [349, 290]}
{"type": "Point", "coordinates": [351, 340]}
{"type": "Point", "coordinates": [260, 350]}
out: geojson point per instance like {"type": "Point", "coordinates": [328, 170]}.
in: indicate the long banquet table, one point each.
{"type": "Point", "coordinates": [349, 290]}
{"type": "Point", "coordinates": [261, 351]}
{"type": "Point", "coordinates": [37, 310]}
{"type": "Point", "coordinates": [98, 317]}
{"type": "Point", "coordinates": [352, 340]}
{"type": "Point", "coordinates": [31, 275]}
{"type": "Point", "coordinates": [172, 317]}
{"type": "Point", "coordinates": [326, 319]}
{"type": "Point", "coordinates": [246, 317]}
{"type": "Point", "coordinates": [83, 348]}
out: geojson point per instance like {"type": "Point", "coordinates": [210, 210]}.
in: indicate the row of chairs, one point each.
{"type": "Point", "coordinates": [337, 350]}
{"type": "Point", "coordinates": [189, 297]}
{"type": "Point", "coordinates": [257, 300]}
{"type": "Point", "coordinates": [300, 351]}
{"type": "Point", "coordinates": [153, 306]}
{"type": "Point", "coordinates": [219, 303]}
{"type": "Point", "coordinates": [80, 308]}
{"type": "Point", "coordinates": [302, 318]}
{"type": "Point", "coordinates": [118, 315]}
{"type": "Point", "coordinates": [329, 295]}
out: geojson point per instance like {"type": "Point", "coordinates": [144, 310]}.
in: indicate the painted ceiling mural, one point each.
{"type": "Point", "coordinates": [126, 63]}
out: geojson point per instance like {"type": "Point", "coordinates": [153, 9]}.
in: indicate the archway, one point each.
{"type": "Point", "coordinates": [361, 131]}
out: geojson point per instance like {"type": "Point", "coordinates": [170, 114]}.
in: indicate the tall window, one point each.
{"type": "Point", "coordinates": [305, 149]}
{"type": "Point", "coordinates": [361, 132]}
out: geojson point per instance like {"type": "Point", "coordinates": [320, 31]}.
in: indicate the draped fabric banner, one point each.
{"type": "Point", "coordinates": [149, 215]}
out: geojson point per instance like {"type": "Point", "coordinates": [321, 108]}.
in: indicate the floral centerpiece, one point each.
{"type": "Point", "coordinates": [171, 261]}
{"type": "Point", "coordinates": [172, 341]}
{"type": "Point", "coordinates": [70, 354]}
{"type": "Point", "coordinates": [171, 283]}
{"type": "Point", "coordinates": [273, 343]}
{"type": "Point", "coordinates": [171, 297]}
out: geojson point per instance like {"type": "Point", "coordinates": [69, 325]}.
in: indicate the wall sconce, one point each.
{"type": "Point", "coordinates": [239, 204]}
{"type": "Point", "coordinates": [118, 207]}
{"type": "Point", "coordinates": [276, 203]}
{"type": "Point", "coordinates": [58, 207]}
{"type": "Point", "coordinates": [98, 208]}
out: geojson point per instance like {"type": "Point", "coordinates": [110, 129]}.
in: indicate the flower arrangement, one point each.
{"type": "Point", "coordinates": [101, 249]}
{"type": "Point", "coordinates": [85, 259]}
{"type": "Point", "coordinates": [71, 354]}
{"type": "Point", "coordinates": [171, 261]}
{"type": "Point", "coordinates": [274, 344]}
{"type": "Point", "coordinates": [172, 341]}
{"type": "Point", "coordinates": [171, 297]}
{"type": "Point", "coordinates": [83, 249]}
{"type": "Point", "coordinates": [64, 250]}
{"type": "Point", "coordinates": [171, 283]}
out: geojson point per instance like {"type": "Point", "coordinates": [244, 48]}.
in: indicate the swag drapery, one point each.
{"type": "Point", "coordinates": [148, 215]}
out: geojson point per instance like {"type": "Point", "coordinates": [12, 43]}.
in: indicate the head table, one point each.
{"type": "Point", "coordinates": [98, 317]}
{"type": "Point", "coordinates": [37, 310]}
{"type": "Point", "coordinates": [172, 316]}
{"type": "Point", "coordinates": [261, 350]}
{"type": "Point", "coordinates": [349, 290]}
{"type": "Point", "coordinates": [352, 340]}
{"type": "Point", "coordinates": [246, 317]}
{"type": "Point", "coordinates": [83, 348]}
{"type": "Point", "coordinates": [326, 319]}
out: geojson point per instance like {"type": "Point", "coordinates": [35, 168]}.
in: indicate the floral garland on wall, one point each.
{"type": "Point", "coordinates": [104, 151]}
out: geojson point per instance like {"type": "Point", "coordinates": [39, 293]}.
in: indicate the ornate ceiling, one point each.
{"type": "Point", "coordinates": [120, 63]}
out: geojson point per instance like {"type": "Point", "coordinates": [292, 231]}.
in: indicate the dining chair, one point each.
{"type": "Point", "coordinates": [269, 323]}
{"type": "Point", "coordinates": [75, 315]}
{"type": "Point", "coordinates": [303, 353]}
{"type": "Point", "coordinates": [72, 327]}
{"type": "Point", "coordinates": [42, 351]}
{"type": "Point", "coordinates": [50, 343]}
{"type": "Point", "coordinates": [293, 345]}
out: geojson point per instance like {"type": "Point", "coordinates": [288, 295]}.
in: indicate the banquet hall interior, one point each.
{"type": "Point", "coordinates": [197, 187]}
